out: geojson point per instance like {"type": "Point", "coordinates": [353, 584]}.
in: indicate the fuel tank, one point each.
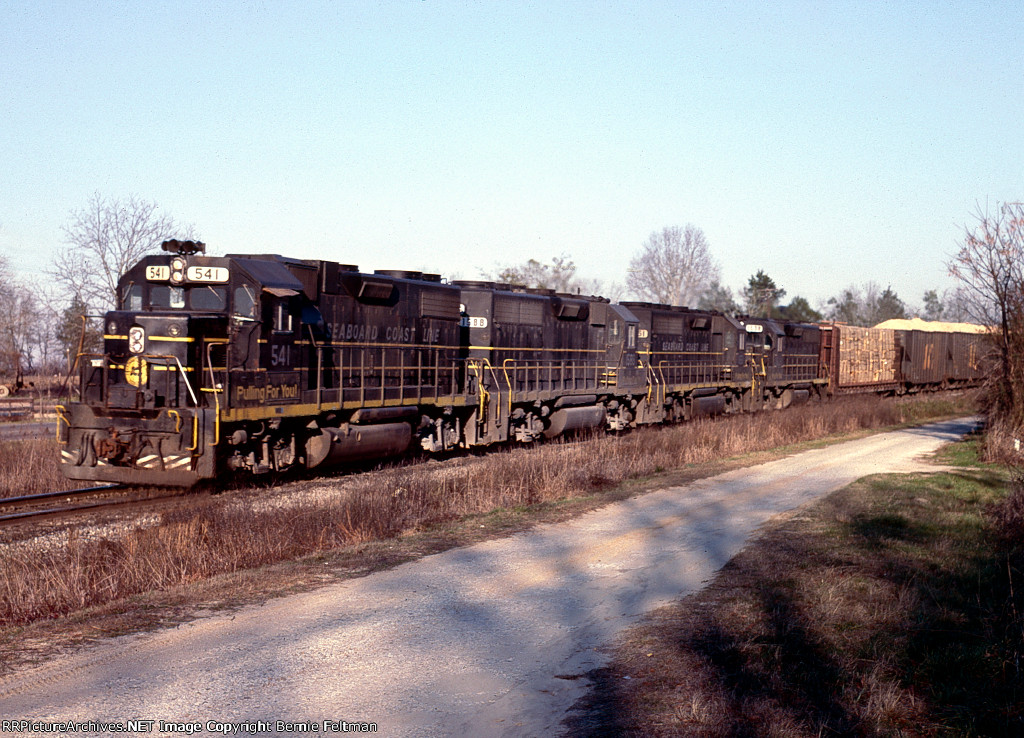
{"type": "Point", "coordinates": [337, 445]}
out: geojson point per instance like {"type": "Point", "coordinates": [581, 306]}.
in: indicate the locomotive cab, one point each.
{"type": "Point", "coordinates": [145, 402]}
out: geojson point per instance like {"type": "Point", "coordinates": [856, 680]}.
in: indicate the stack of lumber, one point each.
{"type": "Point", "coordinates": [867, 355]}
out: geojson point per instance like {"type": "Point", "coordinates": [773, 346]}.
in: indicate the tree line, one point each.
{"type": "Point", "coordinates": [675, 266]}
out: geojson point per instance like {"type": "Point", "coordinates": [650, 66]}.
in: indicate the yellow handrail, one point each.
{"type": "Point", "coordinates": [177, 423]}
{"type": "Point", "coordinates": [508, 381]}
{"type": "Point", "coordinates": [477, 365]}
{"type": "Point", "coordinates": [61, 410]}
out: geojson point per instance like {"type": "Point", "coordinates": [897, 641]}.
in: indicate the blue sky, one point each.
{"type": "Point", "coordinates": [826, 143]}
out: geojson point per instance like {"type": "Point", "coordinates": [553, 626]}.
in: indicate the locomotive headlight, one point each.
{"type": "Point", "coordinates": [174, 330]}
{"type": "Point", "coordinates": [177, 270]}
{"type": "Point", "coordinates": [112, 328]}
{"type": "Point", "coordinates": [136, 339]}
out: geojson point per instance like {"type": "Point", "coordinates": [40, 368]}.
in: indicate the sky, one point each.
{"type": "Point", "coordinates": [826, 143]}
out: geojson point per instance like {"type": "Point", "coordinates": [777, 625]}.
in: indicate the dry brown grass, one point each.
{"type": "Point", "coordinates": [30, 466]}
{"type": "Point", "coordinates": [218, 536]}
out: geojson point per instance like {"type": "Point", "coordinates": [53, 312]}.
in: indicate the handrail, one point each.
{"type": "Point", "coordinates": [184, 376]}
{"type": "Point", "coordinates": [181, 370]}
{"type": "Point", "coordinates": [61, 410]}
{"type": "Point", "coordinates": [508, 381]}
{"type": "Point", "coordinates": [209, 367]}
{"type": "Point", "coordinates": [476, 365]}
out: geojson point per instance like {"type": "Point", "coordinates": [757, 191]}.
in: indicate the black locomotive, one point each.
{"type": "Point", "coordinates": [258, 363]}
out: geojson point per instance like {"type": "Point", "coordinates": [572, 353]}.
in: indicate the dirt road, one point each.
{"type": "Point", "coordinates": [27, 430]}
{"type": "Point", "coordinates": [486, 640]}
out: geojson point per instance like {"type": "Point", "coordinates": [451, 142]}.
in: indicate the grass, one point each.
{"type": "Point", "coordinates": [892, 608]}
{"type": "Point", "coordinates": [30, 466]}
{"type": "Point", "coordinates": [222, 536]}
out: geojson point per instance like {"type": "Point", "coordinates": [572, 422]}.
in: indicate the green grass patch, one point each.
{"type": "Point", "coordinates": [967, 453]}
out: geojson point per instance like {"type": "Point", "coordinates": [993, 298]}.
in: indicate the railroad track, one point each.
{"type": "Point", "coordinates": [27, 508]}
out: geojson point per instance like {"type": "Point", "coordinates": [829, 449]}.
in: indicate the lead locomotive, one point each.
{"type": "Point", "coordinates": [261, 363]}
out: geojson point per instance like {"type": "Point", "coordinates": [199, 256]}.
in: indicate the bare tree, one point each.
{"type": "Point", "coordinates": [104, 239]}
{"type": "Point", "coordinates": [19, 329]}
{"type": "Point", "coordinates": [22, 324]}
{"type": "Point", "coordinates": [559, 275]}
{"type": "Point", "coordinates": [955, 305]}
{"type": "Point", "coordinates": [674, 266]}
{"type": "Point", "coordinates": [5, 273]}
{"type": "Point", "coordinates": [990, 268]}
{"type": "Point", "coordinates": [10, 358]}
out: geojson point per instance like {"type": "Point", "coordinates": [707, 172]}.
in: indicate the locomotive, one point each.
{"type": "Point", "coordinates": [257, 363]}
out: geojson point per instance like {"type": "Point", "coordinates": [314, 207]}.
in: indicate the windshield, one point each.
{"type": "Point", "coordinates": [206, 298]}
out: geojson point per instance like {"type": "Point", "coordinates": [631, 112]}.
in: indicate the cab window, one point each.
{"type": "Point", "coordinates": [131, 297]}
{"type": "Point", "coordinates": [208, 298]}
{"type": "Point", "coordinates": [166, 296]}
{"type": "Point", "coordinates": [245, 302]}
{"type": "Point", "coordinates": [282, 317]}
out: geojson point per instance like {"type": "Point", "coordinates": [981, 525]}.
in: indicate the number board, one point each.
{"type": "Point", "coordinates": [206, 274]}
{"type": "Point", "coordinates": [158, 273]}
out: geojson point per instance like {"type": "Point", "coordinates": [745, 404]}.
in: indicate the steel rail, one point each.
{"type": "Point", "coordinates": [4, 501]}
{"type": "Point", "coordinates": [41, 512]}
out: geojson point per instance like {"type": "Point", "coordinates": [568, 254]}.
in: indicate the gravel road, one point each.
{"type": "Point", "coordinates": [27, 430]}
{"type": "Point", "coordinates": [486, 640]}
